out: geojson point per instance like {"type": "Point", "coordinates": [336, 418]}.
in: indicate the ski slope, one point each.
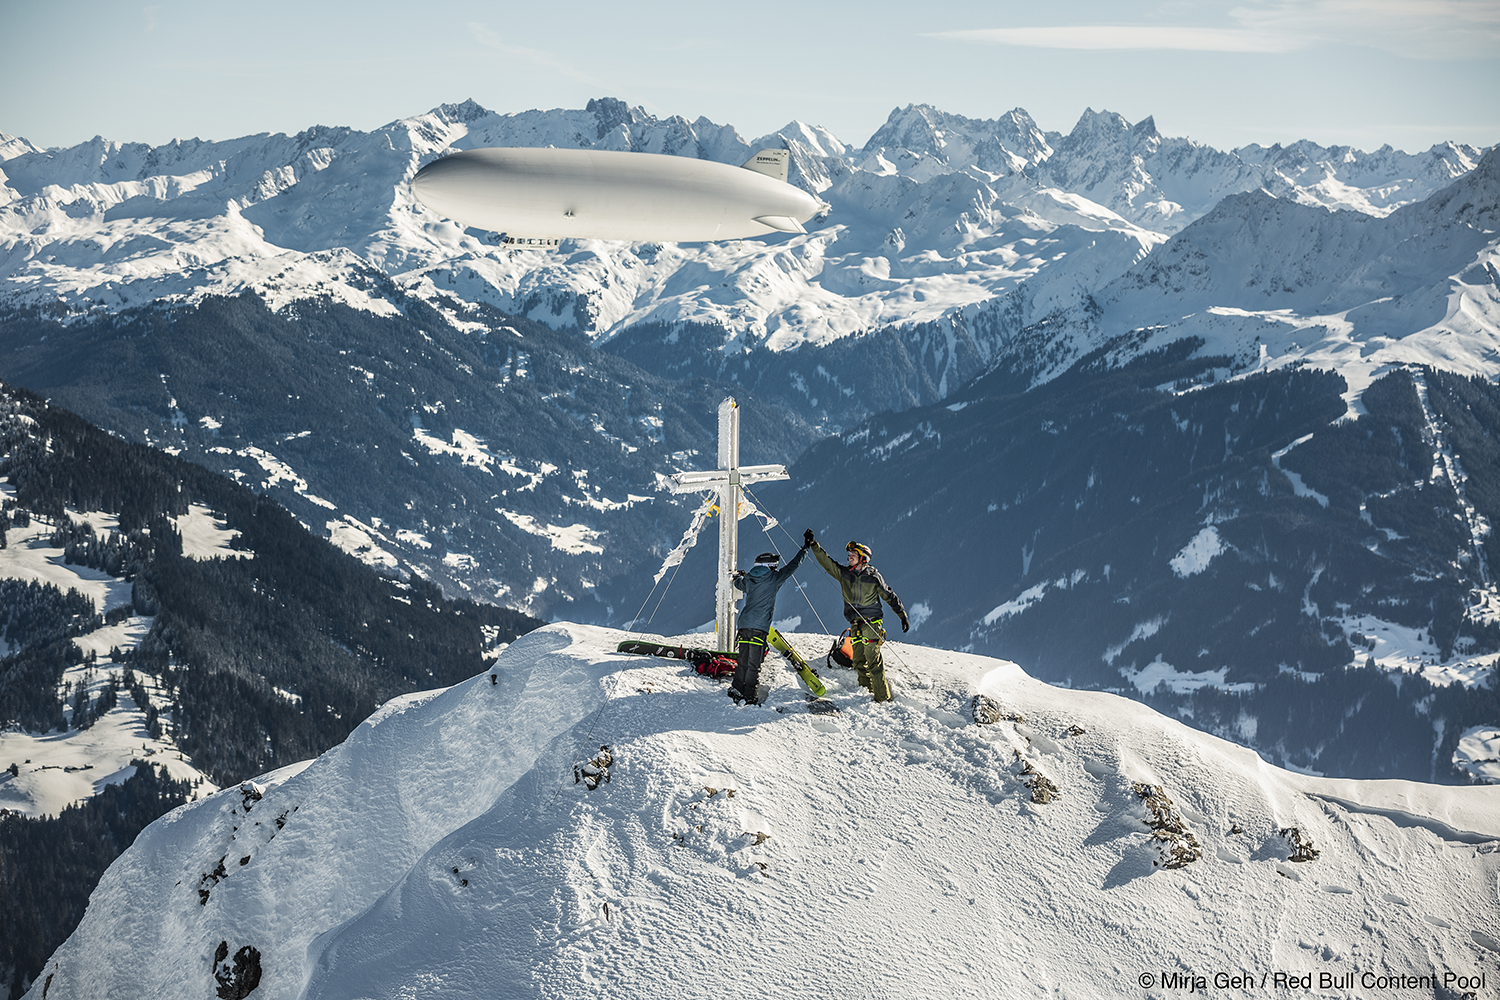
{"type": "Point", "coordinates": [893, 850]}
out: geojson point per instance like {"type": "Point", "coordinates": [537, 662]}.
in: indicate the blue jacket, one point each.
{"type": "Point", "coordinates": [760, 585]}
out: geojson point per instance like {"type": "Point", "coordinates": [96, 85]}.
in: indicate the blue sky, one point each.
{"type": "Point", "coordinates": [1356, 72]}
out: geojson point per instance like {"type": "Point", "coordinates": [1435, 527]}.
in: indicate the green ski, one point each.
{"type": "Point", "coordinates": [814, 683]}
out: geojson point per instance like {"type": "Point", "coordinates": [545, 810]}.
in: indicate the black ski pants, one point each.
{"type": "Point", "coordinates": [752, 650]}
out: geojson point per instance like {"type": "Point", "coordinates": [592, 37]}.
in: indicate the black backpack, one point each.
{"type": "Point", "coordinates": [842, 652]}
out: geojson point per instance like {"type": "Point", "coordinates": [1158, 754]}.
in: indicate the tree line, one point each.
{"type": "Point", "coordinates": [49, 866]}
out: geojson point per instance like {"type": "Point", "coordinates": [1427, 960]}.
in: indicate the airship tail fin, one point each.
{"type": "Point", "coordinates": [771, 162]}
{"type": "Point", "coordinates": [781, 223]}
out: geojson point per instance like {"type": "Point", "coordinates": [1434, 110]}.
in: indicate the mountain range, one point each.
{"type": "Point", "coordinates": [1215, 430]}
{"type": "Point", "coordinates": [1279, 360]}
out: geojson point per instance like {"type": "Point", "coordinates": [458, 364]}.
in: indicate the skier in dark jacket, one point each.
{"type": "Point", "coordinates": [863, 588]}
{"type": "Point", "coordinates": [760, 585]}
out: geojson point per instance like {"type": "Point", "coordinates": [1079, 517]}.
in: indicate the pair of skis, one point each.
{"type": "Point", "coordinates": [774, 639]}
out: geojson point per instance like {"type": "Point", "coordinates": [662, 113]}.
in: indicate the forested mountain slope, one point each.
{"type": "Point", "coordinates": [243, 660]}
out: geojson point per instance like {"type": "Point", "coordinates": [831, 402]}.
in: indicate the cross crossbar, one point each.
{"type": "Point", "coordinates": [728, 481]}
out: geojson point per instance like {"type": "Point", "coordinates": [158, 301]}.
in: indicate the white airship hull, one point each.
{"type": "Point", "coordinates": [547, 194]}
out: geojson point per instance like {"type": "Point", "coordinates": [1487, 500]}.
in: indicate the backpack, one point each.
{"type": "Point", "coordinates": [715, 665]}
{"type": "Point", "coordinates": [842, 653]}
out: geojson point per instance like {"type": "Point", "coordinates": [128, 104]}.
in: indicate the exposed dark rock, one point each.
{"type": "Point", "coordinates": [240, 979]}
{"type": "Point", "coordinates": [1176, 845]}
{"type": "Point", "coordinates": [1302, 846]}
{"type": "Point", "coordinates": [596, 771]}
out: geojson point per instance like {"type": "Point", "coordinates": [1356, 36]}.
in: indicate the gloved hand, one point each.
{"type": "Point", "coordinates": [905, 624]}
{"type": "Point", "coordinates": [808, 539]}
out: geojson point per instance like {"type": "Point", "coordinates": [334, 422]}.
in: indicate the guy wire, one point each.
{"type": "Point", "coordinates": [635, 622]}
{"type": "Point", "coordinates": [800, 589]}
{"type": "Point", "coordinates": [663, 596]}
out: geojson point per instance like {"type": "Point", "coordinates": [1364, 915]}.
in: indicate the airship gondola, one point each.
{"type": "Point", "coordinates": [538, 196]}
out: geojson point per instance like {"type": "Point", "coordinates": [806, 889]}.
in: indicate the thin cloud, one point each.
{"type": "Point", "coordinates": [489, 39]}
{"type": "Point", "coordinates": [1134, 37]}
{"type": "Point", "coordinates": [1432, 29]}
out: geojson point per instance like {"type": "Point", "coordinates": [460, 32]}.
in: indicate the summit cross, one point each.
{"type": "Point", "coordinates": [728, 480]}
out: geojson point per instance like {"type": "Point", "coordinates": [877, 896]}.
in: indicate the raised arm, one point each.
{"type": "Point", "coordinates": [791, 567]}
{"type": "Point", "coordinates": [827, 562]}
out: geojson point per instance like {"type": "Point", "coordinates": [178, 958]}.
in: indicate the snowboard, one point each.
{"type": "Point", "coordinates": [689, 653]}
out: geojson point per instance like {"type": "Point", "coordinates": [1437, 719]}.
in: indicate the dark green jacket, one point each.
{"type": "Point", "coordinates": [863, 588]}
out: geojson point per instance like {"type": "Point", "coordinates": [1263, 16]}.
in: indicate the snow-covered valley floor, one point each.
{"type": "Point", "coordinates": [892, 850]}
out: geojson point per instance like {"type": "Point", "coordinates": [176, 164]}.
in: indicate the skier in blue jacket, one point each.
{"type": "Point", "coordinates": [760, 585]}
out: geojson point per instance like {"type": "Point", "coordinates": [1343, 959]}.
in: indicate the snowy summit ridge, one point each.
{"type": "Point", "coordinates": [1073, 845]}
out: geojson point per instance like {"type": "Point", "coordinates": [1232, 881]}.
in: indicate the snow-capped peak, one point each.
{"type": "Point", "coordinates": [1005, 145]}
{"type": "Point", "coordinates": [937, 213]}
{"type": "Point", "coordinates": [12, 146]}
{"type": "Point", "coordinates": [584, 823]}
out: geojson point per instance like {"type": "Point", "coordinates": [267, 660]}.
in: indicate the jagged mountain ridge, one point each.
{"type": "Point", "coordinates": [1271, 283]}
{"type": "Point", "coordinates": [1089, 280]}
{"type": "Point", "coordinates": [138, 216]}
{"type": "Point", "coordinates": [928, 243]}
{"type": "Point", "coordinates": [1006, 145]}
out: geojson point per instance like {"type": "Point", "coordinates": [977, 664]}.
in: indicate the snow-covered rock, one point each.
{"type": "Point", "coordinates": [1076, 844]}
{"type": "Point", "coordinates": [921, 141]}
{"type": "Point", "coordinates": [1374, 183]}
{"type": "Point", "coordinates": [1154, 181]}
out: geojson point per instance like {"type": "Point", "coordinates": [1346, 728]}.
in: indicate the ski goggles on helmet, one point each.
{"type": "Point", "coordinates": [860, 547]}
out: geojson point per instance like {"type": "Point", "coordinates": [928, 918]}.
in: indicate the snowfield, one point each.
{"type": "Point", "coordinates": [897, 850]}
{"type": "Point", "coordinates": [57, 769]}
{"type": "Point", "coordinates": [30, 556]}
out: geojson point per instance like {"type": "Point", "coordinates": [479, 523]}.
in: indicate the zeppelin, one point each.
{"type": "Point", "coordinates": [536, 197]}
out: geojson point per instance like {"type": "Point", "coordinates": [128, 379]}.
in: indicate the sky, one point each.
{"type": "Point", "coordinates": [1224, 72]}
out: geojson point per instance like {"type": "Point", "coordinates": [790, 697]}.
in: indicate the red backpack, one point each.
{"type": "Point", "coordinates": [713, 665]}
